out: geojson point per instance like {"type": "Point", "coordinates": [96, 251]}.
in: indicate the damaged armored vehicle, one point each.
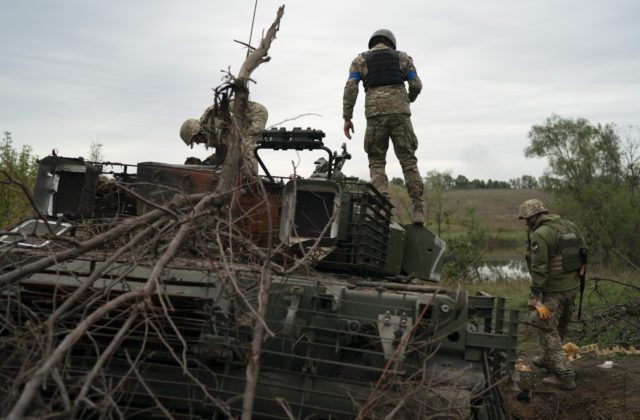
{"type": "Point", "coordinates": [353, 319]}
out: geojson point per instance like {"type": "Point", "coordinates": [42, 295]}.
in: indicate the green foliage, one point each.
{"type": "Point", "coordinates": [470, 220]}
{"type": "Point", "coordinates": [578, 153]}
{"type": "Point", "coordinates": [525, 181]}
{"type": "Point", "coordinates": [621, 335]}
{"type": "Point", "coordinates": [462, 182]}
{"type": "Point", "coordinates": [446, 178]}
{"type": "Point", "coordinates": [401, 203]}
{"type": "Point", "coordinates": [595, 179]}
{"type": "Point", "coordinates": [397, 181]}
{"type": "Point", "coordinates": [16, 167]}
{"type": "Point", "coordinates": [612, 310]}
{"type": "Point", "coordinates": [467, 248]}
{"type": "Point", "coordinates": [436, 211]}
{"type": "Point", "coordinates": [497, 184]}
{"type": "Point", "coordinates": [448, 182]}
{"type": "Point", "coordinates": [609, 217]}
{"type": "Point", "coordinates": [466, 254]}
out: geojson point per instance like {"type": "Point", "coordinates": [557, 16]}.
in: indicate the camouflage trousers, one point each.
{"type": "Point", "coordinates": [376, 143]}
{"type": "Point", "coordinates": [552, 331]}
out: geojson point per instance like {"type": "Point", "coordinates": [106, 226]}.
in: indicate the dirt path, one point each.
{"type": "Point", "coordinates": [601, 393]}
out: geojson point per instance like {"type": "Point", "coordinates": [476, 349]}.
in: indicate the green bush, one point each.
{"type": "Point", "coordinates": [16, 167]}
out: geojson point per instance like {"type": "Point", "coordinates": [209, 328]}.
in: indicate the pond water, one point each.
{"type": "Point", "coordinates": [508, 270]}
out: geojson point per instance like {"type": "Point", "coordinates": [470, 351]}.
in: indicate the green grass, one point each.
{"type": "Point", "coordinates": [610, 311]}
{"type": "Point", "coordinates": [498, 244]}
{"type": "Point", "coordinates": [516, 292]}
{"type": "Point", "coordinates": [490, 216]}
{"type": "Point", "coordinates": [496, 208]}
{"type": "Point", "coordinates": [613, 309]}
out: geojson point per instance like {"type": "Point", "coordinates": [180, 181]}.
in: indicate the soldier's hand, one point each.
{"type": "Point", "coordinates": [543, 311]}
{"type": "Point", "coordinates": [348, 127]}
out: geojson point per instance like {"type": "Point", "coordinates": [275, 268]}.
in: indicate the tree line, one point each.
{"type": "Point", "coordinates": [447, 181]}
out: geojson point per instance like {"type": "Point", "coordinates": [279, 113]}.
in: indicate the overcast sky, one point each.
{"type": "Point", "coordinates": [128, 73]}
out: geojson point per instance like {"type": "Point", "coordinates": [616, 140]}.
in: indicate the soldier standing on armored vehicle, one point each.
{"type": "Point", "coordinates": [207, 129]}
{"type": "Point", "coordinates": [557, 257]}
{"type": "Point", "coordinates": [383, 71]}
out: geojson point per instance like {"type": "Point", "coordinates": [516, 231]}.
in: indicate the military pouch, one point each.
{"type": "Point", "coordinates": [569, 248]}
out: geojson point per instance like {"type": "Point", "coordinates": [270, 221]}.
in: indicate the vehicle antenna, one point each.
{"type": "Point", "coordinates": [252, 21]}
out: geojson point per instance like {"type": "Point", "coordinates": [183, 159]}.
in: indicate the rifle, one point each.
{"type": "Point", "coordinates": [583, 275]}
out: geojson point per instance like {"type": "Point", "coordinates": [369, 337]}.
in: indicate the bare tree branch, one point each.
{"type": "Point", "coordinates": [633, 286]}
{"type": "Point", "coordinates": [113, 345]}
{"type": "Point", "coordinates": [51, 362]}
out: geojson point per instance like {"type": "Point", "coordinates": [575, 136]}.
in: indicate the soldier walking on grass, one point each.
{"type": "Point", "coordinates": [556, 257]}
{"type": "Point", "coordinates": [383, 71]}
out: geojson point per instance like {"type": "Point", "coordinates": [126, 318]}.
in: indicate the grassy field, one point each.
{"type": "Point", "coordinates": [496, 208]}
{"type": "Point", "coordinates": [492, 213]}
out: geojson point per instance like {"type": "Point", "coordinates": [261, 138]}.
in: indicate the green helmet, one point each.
{"type": "Point", "coordinates": [531, 208]}
{"type": "Point", "coordinates": [384, 33]}
{"type": "Point", "coordinates": [190, 128]}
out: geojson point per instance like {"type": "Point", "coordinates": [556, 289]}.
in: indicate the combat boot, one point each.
{"type": "Point", "coordinates": [417, 217]}
{"type": "Point", "coordinates": [567, 383]}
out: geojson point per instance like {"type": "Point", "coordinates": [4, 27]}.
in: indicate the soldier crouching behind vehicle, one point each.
{"type": "Point", "coordinates": [208, 131]}
{"type": "Point", "coordinates": [557, 259]}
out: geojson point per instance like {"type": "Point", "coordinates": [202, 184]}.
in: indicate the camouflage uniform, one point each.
{"type": "Point", "coordinates": [555, 287]}
{"type": "Point", "coordinates": [208, 127]}
{"type": "Point", "coordinates": [388, 115]}
{"type": "Point", "coordinates": [256, 122]}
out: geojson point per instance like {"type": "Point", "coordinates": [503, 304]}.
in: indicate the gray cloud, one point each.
{"type": "Point", "coordinates": [127, 74]}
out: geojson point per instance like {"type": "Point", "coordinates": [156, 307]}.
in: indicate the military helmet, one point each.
{"type": "Point", "coordinates": [190, 128]}
{"type": "Point", "coordinates": [531, 208]}
{"type": "Point", "coordinates": [384, 33]}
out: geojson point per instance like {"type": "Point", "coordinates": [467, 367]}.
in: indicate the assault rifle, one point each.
{"type": "Point", "coordinates": [583, 275]}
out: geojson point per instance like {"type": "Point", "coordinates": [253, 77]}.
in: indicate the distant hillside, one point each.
{"type": "Point", "coordinates": [498, 208]}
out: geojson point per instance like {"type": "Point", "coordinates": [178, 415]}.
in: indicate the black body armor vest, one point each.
{"type": "Point", "coordinates": [383, 68]}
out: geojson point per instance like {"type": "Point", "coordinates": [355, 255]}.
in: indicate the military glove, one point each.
{"type": "Point", "coordinates": [543, 312]}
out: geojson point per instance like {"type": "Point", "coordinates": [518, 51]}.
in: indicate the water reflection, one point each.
{"type": "Point", "coordinates": [508, 271]}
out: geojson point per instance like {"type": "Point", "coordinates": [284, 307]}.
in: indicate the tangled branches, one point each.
{"type": "Point", "coordinates": [81, 312]}
{"type": "Point", "coordinates": [108, 301]}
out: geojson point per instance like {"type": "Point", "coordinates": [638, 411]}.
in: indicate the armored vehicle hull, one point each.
{"type": "Point", "coordinates": [352, 319]}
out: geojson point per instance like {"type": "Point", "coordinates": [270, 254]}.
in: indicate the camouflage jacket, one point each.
{"type": "Point", "coordinates": [546, 270]}
{"type": "Point", "coordinates": [257, 116]}
{"type": "Point", "coordinates": [381, 100]}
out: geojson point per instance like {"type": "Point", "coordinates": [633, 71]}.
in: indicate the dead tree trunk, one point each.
{"type": "Point", "coordinates": [257, 56]}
